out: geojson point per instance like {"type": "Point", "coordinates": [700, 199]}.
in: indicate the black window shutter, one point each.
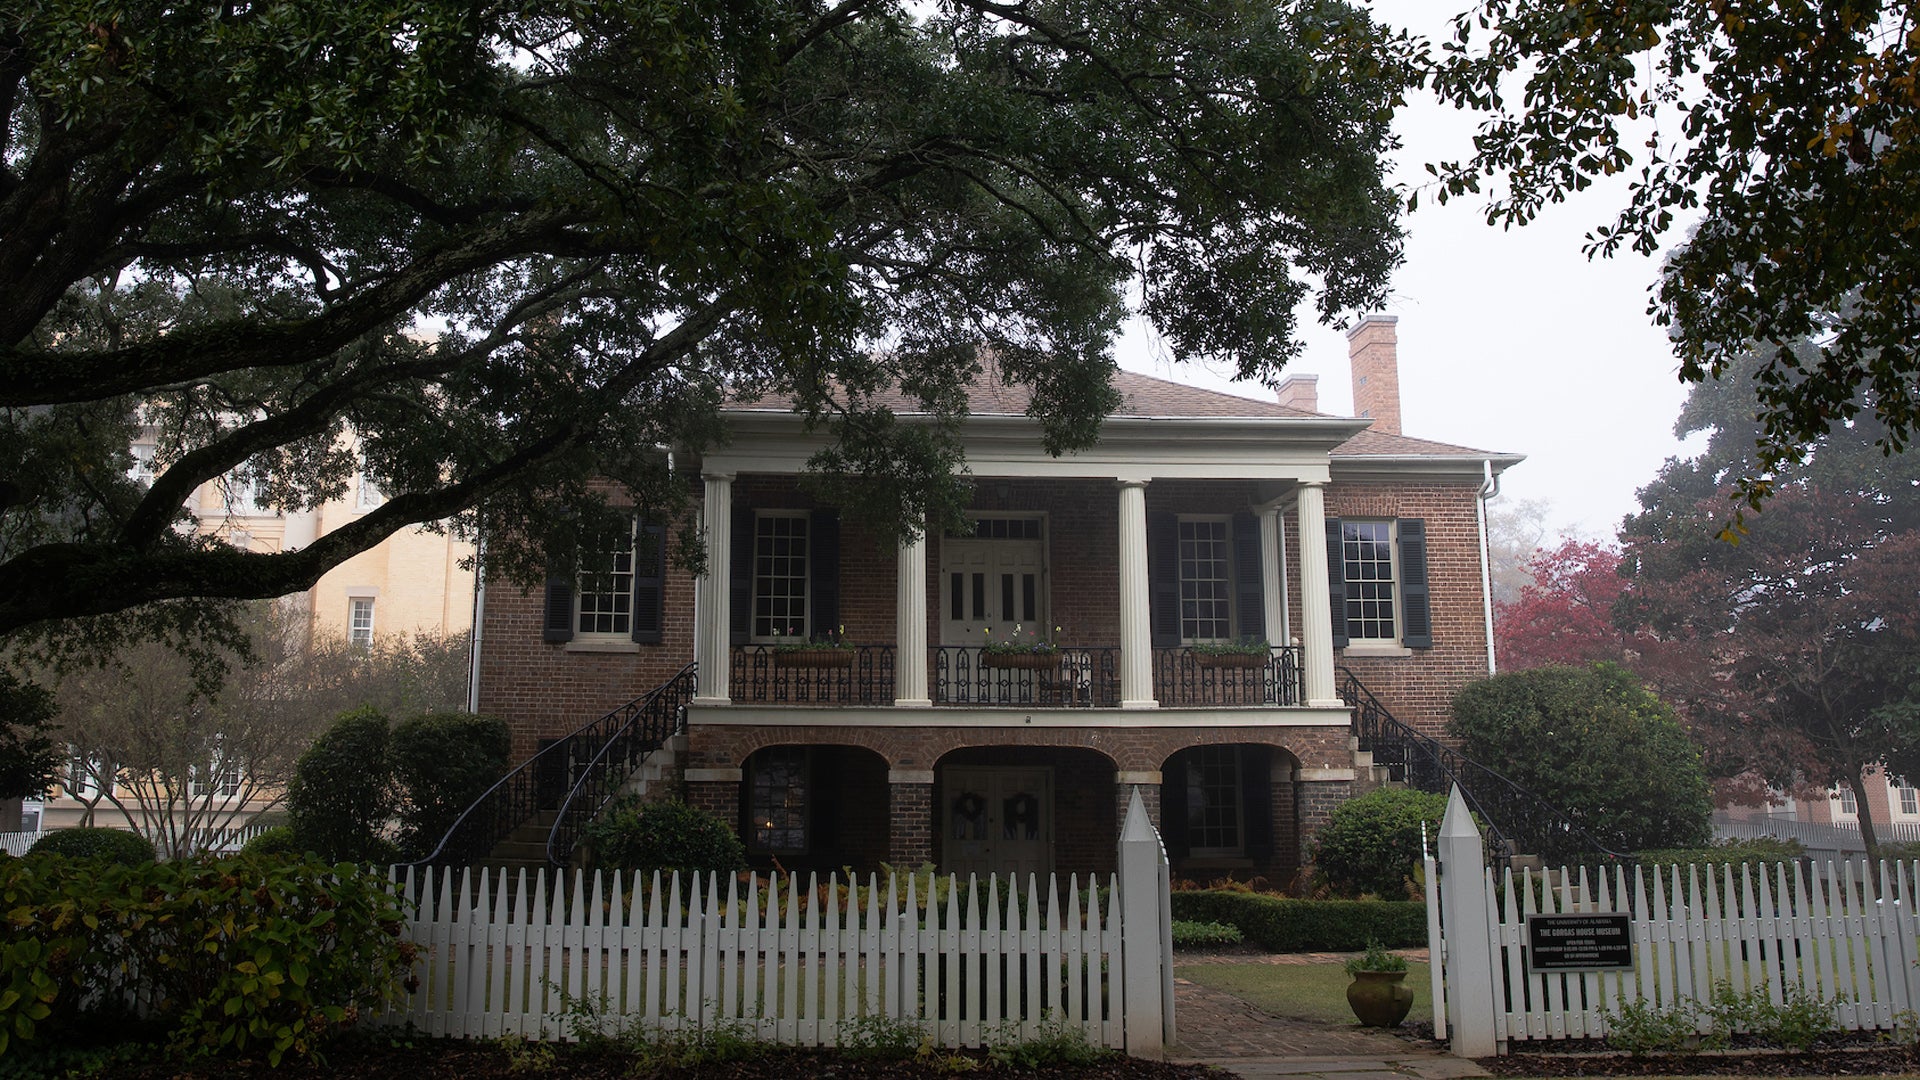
{"type": "Point", "coordinates": [649, 584]}
{"type": "Point", "coordinates": [1249, 597]}
{"type": "Point", "coordinates": [1337, 582]}
{"type": "Point", "coordinates": [1256, 802]}
{"type": "Point", "coordinates": [823, 572]}
{"type": "Point", "coordinates": [557, 624]}
{"type": "Point", "coordinates": [1416, 609]}
{"type": "Point", "coordinates": [1163, 580]}
{"type": "Point", "coordinates": [740, 578]}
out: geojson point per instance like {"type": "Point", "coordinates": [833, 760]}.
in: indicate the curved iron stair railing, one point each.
{"type": "Point", "coordinates": [522, 793]}
{"type": "Point", "coordinates": [1515, 819]}
{"type": "Point", "coordinates": [652, 720]}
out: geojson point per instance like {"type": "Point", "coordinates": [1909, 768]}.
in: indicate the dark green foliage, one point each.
{"type": "Point", "coordinates": [1370, 845]}
{"type": "Point", "coordinates": [1282, 924]}
{"type": "Point", "coordinates": [663, 836]}
{"type": "Point", "coordinates": [1597, 744]}
{"type": "Point", "coordinates": [277, 840]}
{"type": "Point", "coordinates": [1759, 854]}
{"type": "Point", "coordinates": [86, 842]}
{"type": "Point", "coordinates": [342, 793]}
{"type": "Point", "coordinates": [442, 762]}
{"type": "Point", "coordinates": [1190, 934]}
{"type": "Point", "coordinates": [29, 758]}
{"type": "Point", "coordinates": [245, 955]}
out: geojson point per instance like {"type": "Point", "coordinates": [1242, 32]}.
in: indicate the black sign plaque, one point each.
{"type": "Point", "coordinates": [1580, 942]}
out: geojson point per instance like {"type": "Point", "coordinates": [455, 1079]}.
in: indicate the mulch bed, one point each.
{"type": "Point", "coordinates": [448, 1059]}
{"type": "Point", "coordinates": [1854, 1054]}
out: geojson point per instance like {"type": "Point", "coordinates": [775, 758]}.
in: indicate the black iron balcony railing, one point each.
{"type": "Point", "coordinates": [764, 675]}
{"type": "Point", "coordinates": [1183, 677]}
{"type": "Point", "coordinates": [1073, 676]}
{"type": "Point", "coordinates": [544, 780]}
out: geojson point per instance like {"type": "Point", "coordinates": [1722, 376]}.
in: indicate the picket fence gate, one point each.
{"type": "Point", "coordinates": [976, 963]}
{"type": "Point", "coordinates": [1776, 931]}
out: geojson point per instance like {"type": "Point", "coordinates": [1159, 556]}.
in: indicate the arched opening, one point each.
{"type": "Point", "coordinates": [1227, 811]}
{"type": "Point", "coordinates": [809, 807]}
{"type": "Point", "coordinates": [1024, 810]}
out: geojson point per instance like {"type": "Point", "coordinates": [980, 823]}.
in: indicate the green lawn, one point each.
{"type": "Point", "coordinates": [1300, 991]}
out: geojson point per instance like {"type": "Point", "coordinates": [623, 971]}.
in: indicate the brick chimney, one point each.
{"type": "Point", "coordinates": [1301, 392]}
{"type": "Point", "coordinates": [1371, 351]}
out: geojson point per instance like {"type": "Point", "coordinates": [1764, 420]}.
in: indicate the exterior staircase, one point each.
{"type": "Point", "coordinates": [534, 816]}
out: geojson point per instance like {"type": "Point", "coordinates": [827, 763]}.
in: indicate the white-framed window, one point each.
{"type": "Point", "coordinates": [142, 470]}
{"type": "Point", "coordinates": [1367, 555]}
{"type": "Point", "coordinates": [1206, 580]}
{"type": "Point", "coordinates": [777, 799]}
{"type": "Point", "coordinates": [1848, 805]}
{"type": "Point", "coordinates": [241, 493]}
{"type": "Point", "coordinates": [1909, 801]}
{"type": "Point", "coordinates": [780, 554]}
{"type": "Point", "coordinates": [603, 607]}
{"type": "Point", "coordinates": [1214, 825]}
{"type": "Point", "coordinates": [367, 494]}
{"type": "Point", "coordinates": [360, 622]}
{"type": "Point", "coordinates": [82, 781]}
{"type": "Point", "coordinates": [222, 771]}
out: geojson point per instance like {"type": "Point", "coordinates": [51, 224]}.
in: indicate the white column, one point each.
{"type": "Point", "coordinates": [1273, 574]}
{"type": "Point", "coordinates": [1136, 627]}
{"type": "Point", "coordinates": [712, 611]}
{"type": "Point", "coordinates": [1316, 603]}
{"type": "Point", "coordinates": [910, 625]}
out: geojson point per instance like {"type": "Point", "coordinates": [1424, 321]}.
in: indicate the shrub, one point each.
{"type": "Point", "coordinates": [1282, 924]}
{"type": "Point", "coordinates": [663, 836]}
{"type": "Point", "coordinates": [277, 840]}
{"type": "Point", "coordinates": [442, 762]}
{"type": "Point", "coordinates": [114, 845]}
{"type": "Point", "coordinates": [1759, 854]}
{"type": "Point", "coordinates": [1192, 934]}
{"type": "Point", "coordinates": [1371, 844]}
{"type": "Point", "coordinates": [1376, 958]}
{"type": "Point", "coordinates": [1594, 742]}
{"type": "Point", "coordinates": [244, 954]}
{"type": "Point", "coordinates": [341, 795]}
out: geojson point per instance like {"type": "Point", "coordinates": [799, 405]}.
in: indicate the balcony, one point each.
{"type": "Point", "coordinates": [1072, 677]}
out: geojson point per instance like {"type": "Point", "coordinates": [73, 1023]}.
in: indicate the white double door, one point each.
{"type": "Point", "coordinates": [998, 820]}
{"type": "Point", "coordinates": [993, 590]}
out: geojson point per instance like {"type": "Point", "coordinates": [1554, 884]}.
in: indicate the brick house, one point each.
{"type": "Point", "coordinates": [1200, 518]}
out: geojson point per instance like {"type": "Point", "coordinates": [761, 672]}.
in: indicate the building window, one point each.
{"type": "Point", "coordinates": [1213, 801]}
{"type": "Point", "coordinates": [1848, 805]}
{"type": "Point", "coordinates": [1206, 582]}
{"type": "Point", "coordinates": [83, 778]}
{"type": "Point", "coordinates": [142, 471]}
{"type": "Point", "coordinates": [605, 606]}
{"type": "Point", "coordinates": [242, 494]}
{"type": "Point", "coordinates": [1909, 801]}
{"type": "Point", "coordinates": [777, 799]}
{"type": "Point", "coordinates": [780, 576]}
{"type": "Point", "coordinates": [360, 622]}
{"type": "Point", "coordinates": [1367, 556]}
{"type": "Point", "coordinates": [367, 494]}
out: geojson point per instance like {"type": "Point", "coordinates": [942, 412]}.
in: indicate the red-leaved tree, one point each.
{"type": "Point", "coordinates": [1565, 614]}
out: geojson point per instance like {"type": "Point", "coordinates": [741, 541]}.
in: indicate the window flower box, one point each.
{"type": "Point", "coordinates": [1020, 661]}
{"type": "Point", "coordinates": [1232, 661]}
{"type": "Point", "coordinates": [822, 657]}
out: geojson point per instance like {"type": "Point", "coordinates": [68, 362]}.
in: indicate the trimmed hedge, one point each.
{"type": "Point", "coordinates": [663, 836]}
{"type": "Point", "coordinates": [1736, 853]}
{"type": "Point", "coordinates": [87, 842]}
{"type": "Point", "coordinates": [1283, 924]}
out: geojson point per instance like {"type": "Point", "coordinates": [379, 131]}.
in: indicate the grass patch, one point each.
{"type": "Point", "coordinates": [1316, 992]}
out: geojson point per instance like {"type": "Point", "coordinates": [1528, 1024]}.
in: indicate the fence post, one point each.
{"type": "Point", "coordinates": [1468, 949]}
{"type": "Point", "coordinates": [1142, 903]}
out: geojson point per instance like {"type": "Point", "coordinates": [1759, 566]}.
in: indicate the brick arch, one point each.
{"type": "Point", "coordinates": [1241, 737]}
{"type": "Point", "coordinates": [1061, 740]}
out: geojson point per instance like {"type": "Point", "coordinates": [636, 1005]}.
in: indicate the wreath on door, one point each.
{"type": "Point", "coordinates": [1020, 817]}
{"type": "Point", "coordinates": [969, 817]}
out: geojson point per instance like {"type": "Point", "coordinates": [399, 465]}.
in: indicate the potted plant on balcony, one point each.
{"type": "Point", "coordinates": [1246, 653]}
{"type": "Point", "coordinates": [1025, 649]}
{"type": "Point", "coordinates": [828, 651]}
{"type": "Point", "coordinates": [1379, 995]}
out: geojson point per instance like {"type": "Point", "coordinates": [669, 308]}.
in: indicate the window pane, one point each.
{"type": "Point", "coordinates": [606, 593]}
{"type": "Point", "coordinates": [1213, 799]}
{"type": "Point", "coordinates": [778, 802]}
{"type": "Point", "coordinates": [1367, 552]}
{"type": "Point", "coordinates": [780, 576]}
{"type": "Point", "coordinates": [360, 622]}
{"type": "Point", "coordinates": [1206, 613]}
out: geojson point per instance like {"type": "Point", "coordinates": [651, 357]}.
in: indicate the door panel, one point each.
{"type": "Point", "coordinates": [998, 820]}
{"type": "Point", "coordinates": [991, 586]}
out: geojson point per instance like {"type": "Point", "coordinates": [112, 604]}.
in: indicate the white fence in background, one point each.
{"type": "Point", "coordinates": [1778, 931]}
{"type": "Point", "coordinates": [780, 959]}
{"type": "Point", "coordinates": [200, 842]}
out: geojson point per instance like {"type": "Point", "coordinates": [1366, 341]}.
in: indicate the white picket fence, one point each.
{"type": "Point", "coordinates": [1779, 931]}
{"type": "Point", "coordinates": [779, 959]}
{"type": "Point", "coordinates": [200, 841]}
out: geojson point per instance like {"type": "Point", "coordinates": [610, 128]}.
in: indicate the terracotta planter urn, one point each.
{"type": "Point", "coordinates": [1380, 998]}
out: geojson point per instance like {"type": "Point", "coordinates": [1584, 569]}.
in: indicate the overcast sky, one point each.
{"type": "Point", "coordinates": [1509, 340]}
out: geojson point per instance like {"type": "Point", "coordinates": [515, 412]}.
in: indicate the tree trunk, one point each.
{"type": "Point", "coordinates": [1858, 783]}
